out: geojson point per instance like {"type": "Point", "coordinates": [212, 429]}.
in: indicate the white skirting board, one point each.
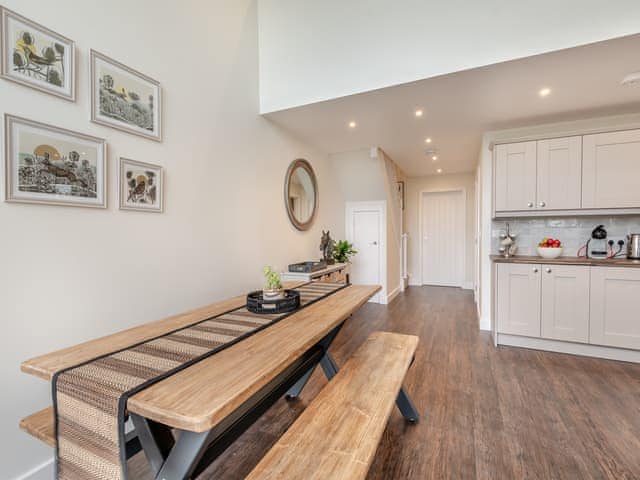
{"type": "Point", "coordinates": [43, 471]}
{"type": "Point", "coordinates": [597, 351]}
{"type": "Point", "coordinates": [394, 293]}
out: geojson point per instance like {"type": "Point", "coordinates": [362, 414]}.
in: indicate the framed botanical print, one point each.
{"type": "Point", "coordinates": [141, 186]}
{"type": "Point", "coordinates": [35, 56]}
{"type": "Point", "coordinates": [125, 99]}
{"type": "Point", "coordinates": [52, 165]}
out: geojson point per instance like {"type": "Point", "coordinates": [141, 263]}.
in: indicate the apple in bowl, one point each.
{"type": "Point", "coordinates": [550, 248]}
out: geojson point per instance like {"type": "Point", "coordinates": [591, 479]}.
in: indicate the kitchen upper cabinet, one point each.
{"type": "Point", "coordinates": [565, 303]}
{"type": "Point", "coordinates": [611, 170]}
{"type": "Point", "coordinates": [615, 307]}
{"type": "Point", "coordinates": [518, 299]}
{"type": "Point", "coordinates": [559, 174]}
{"type": "Point", "coordinates": [515, 176]}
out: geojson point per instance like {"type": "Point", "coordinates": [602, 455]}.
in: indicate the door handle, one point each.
{"type": "Point", "coordinates": [530, 204]}
{"type": "Point", "coordinates": [548, 270]}
{"type": "Point", "coordinates": [535, 270]}
{"type": "Point", "coordinates": [373, 243]}
{"type": "Point", "coordinates": [542, 204]}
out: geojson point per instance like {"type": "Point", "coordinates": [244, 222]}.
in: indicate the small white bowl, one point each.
{"type": "Point", "coordinates": [550, 252]}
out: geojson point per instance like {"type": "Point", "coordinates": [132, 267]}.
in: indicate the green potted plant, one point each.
{"type": "Point", "coordinates": [273, 284]}
{"type": "Point", "coordinates": [343, 251]}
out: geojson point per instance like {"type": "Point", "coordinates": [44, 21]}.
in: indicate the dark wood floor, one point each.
{"type": "Point", "coordinates": [488, 413]}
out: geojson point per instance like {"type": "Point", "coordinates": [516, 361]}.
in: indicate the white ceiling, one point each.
{"type": "Point", "coordinates": [459, 107]}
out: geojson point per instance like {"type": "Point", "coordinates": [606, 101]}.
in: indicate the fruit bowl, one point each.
{"type": "Point", "coordinates": [550, 252]}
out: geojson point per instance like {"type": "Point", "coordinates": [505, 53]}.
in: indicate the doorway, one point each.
{"type": "Point", "coordinates": [366, 229]}
{"type": "Point", "coordinates": [442, 244]}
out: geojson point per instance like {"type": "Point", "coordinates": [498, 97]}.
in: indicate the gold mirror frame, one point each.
{"type": "Point", "coordinates": [300, 163]}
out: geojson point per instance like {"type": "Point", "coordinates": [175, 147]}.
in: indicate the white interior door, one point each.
{"type": "Point", "coordinates": [364, 230]}
{"type": "Point", "coordinates": [443, 246]}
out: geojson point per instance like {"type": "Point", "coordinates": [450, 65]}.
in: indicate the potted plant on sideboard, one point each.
{"type": "Point", "coordinates": [343, 251]}
{"type": "Point", "coordinates": [273, 285]}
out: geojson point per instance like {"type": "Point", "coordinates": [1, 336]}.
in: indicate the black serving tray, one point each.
{"type": "Point", "coordinates": [307, 267]}
{"type": "Point", "coordinates": [257, 304]}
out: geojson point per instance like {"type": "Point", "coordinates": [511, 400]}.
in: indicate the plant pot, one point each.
{"type": "Point", "coordinates": [275, 294]}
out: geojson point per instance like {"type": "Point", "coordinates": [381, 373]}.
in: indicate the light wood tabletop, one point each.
{"type": "Point", "coordinates": [200, 396]}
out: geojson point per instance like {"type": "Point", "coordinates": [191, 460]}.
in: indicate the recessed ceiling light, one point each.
{"type": "Point", "coordinates": [631, 79]}
{"type": "Point", "coordinates": [439, 170]}
{"type": "Point", "coordinates": [434, 158]}
{"type": "Point", "coordinates": [544, 91]}
{"type": "Point", "coordinates": [419, 112]}
{"type": "Point", "coordinates": [353, 124]}
{"type": "Point", "coordinates": [427, 140]}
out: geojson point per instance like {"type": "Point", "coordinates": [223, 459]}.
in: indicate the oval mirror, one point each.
{"type": "Point", "coordinates": [301, 194]}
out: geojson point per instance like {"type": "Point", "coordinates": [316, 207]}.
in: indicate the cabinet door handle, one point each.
{"type": "Point", "coordinates": [542, 204]}
{"type": "Point", "coordinates": [530, 204]}
{"type": "Point", "coordinates": [535, 269]}
{"type": "Point", "coordinates": [548, 270]}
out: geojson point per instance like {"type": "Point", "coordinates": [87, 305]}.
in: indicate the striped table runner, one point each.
{"type": "Point", "coordinates": [90, 399]}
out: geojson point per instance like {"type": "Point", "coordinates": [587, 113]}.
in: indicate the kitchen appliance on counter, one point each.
{"type": "Point", "coordinates": [597, 246]}
{"type": "Point", "coordinates": [633, 246]}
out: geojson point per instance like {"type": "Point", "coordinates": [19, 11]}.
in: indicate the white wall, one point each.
{"type": "Point", "coordinates": [486, 174]}
{"type": "Point", "coordinates": [367, 175]}
{"type": "Point", "coordinates": [71, 274]}
{"type": "Point", "coordinates": [414, 186]}
{"type": "Point", "coordinates": [317, 50]}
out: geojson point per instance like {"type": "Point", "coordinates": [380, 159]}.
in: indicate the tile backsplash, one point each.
{"type": "Point", "coordinates": [573, 232]}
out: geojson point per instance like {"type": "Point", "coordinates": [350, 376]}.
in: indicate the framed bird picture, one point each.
{"type": "Point", "coordinates": [125, 99]}
{"type": "Point", "coordinates": [35, 56]}
{"type": "Point", "coordinates": [53, 165]}
{"type": "Point", "coordinates": [141, 186]}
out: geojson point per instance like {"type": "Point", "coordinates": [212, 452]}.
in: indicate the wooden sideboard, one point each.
{"type": "Point", "coordinates": [336, 273]}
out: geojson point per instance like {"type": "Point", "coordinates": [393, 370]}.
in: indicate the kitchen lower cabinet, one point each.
{"type": "Point", "coordinates": [615, 307]}
{"type": "Point", "coordinates": [565, 303]}
{"type": "Point", "coordinates": [518, 299]}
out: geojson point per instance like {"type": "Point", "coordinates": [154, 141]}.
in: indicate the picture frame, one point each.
{"type": "Point", "coordinates": [400, 185]}
{"type": "Point", "coordinates": [50, 165]}
{"type": "Point", "coordinates": [140, 186]}
{"type": "Point", "coordinates": [37, 57]}
{"type": "Point", "coordinates": [125, 99]}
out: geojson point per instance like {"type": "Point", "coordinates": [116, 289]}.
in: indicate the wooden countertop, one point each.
{"type": "Point", "coordinates": [612, 262]}
{"type": "Point", "coordinates": [203, 394]}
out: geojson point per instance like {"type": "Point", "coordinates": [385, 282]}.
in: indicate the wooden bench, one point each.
{"type": "Point", "coordinates": [337, 435]}
{"type": "Point", "coordinates": [41, 426]}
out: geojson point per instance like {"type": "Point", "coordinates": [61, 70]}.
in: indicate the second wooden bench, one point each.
{"type": "Point", "coordinates": [337, 435]}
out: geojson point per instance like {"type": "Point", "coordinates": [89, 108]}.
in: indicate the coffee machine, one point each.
{"type": "Point", "coordinates": [597, 246]}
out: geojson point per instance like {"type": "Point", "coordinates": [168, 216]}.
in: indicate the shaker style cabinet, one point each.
{"type": "Point", "coordinates": [559, 174]}
{"type": "Point", "coordinates": [518, 299]}
{"type": "Point", "coordinates": [565, 303]}
{"type": "Point", "coordinates": [611, 170]}
{"type": "Point", "coordinates": [515, 176]}
{"type": "Point", "coordinates": [590, 172]}
{"type": "Point", "coordinates": [537, 176]}
{"type": "Point", "coordinates": [615, 307]}
{"type": "Point", "coordinates": [543, 301]}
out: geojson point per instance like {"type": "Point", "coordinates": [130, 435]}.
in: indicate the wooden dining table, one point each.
{"type": "Point", "coordinates": [186, 420]}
